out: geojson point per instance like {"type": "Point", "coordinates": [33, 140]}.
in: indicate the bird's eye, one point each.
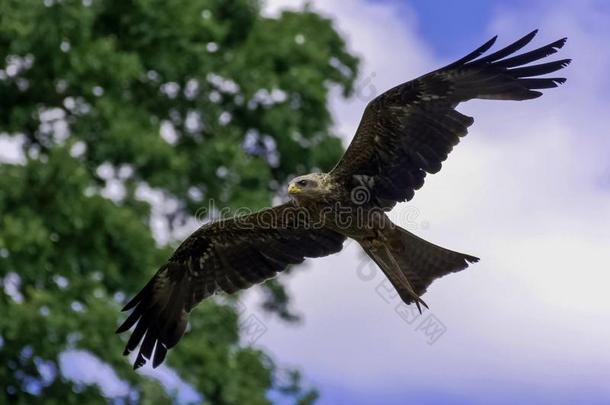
{"type": "Point", "coordinates": [302, 183]}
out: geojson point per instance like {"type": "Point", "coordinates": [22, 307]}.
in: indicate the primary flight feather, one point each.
{"type": "Point", "coordinates": [405, 133]}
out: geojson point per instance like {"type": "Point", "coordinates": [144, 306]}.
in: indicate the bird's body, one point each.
{"type": "Point", "coordinates": [405, 133]}
{"type": "Point", "coordinates": [409, 262]}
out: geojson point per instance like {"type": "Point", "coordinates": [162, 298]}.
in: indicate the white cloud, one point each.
{"type": "Point", "coordinates": [83, 367]}
{"type": "Point", "coordinates": [524, 191]}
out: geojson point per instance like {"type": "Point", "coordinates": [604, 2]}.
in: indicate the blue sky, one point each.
{"type": "Point", "coordinates": [451, 26]}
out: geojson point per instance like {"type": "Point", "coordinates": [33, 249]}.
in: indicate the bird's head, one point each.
{"type": "Point", "coordinates": [311, 185]}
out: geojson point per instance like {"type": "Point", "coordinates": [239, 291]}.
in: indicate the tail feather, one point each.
{"type": "Point", "coordinates": [419, 262]}
{"type": "Point", "coordinates": [425, 261]}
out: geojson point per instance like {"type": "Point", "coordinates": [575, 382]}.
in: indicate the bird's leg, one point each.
{"type": "Point", "coordinates": [404, 280]}
{"type": "Point", "coordinates": [384, 258]}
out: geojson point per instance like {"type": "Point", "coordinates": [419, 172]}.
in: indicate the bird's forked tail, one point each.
{"type": "Point", "coordinates": [411, 263]}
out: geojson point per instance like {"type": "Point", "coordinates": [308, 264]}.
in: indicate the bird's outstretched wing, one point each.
{"type": "Point", "coordinates": [409, 130]}
{"type": "Point", "coordinates": [228, 255]}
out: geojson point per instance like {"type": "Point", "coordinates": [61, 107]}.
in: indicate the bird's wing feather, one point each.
{"type": "Point", "coordinates": [409, 130]}
{"type": "Point", "coordinates": [228, 255]}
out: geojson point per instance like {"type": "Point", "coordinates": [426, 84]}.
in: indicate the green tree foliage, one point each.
{"type": "Point", "coordinates": [199, 100]}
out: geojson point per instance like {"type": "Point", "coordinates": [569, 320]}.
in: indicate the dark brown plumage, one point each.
{"type": "Point", "coordinates": [224, 256]}
{"type": "Point", "coordinates": [410, 130]}
{"type": "Point", "coordinates": [406, 132]}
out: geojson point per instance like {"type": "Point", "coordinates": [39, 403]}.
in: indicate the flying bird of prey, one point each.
{"type": "Point", "coordinates": [404, 133]}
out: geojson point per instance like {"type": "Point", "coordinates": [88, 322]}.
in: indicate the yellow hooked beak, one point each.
{"type": "Point", "coordinates": [292, 189]}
